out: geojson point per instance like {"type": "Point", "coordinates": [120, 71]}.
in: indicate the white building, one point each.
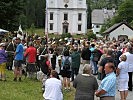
{"type": "Point", "coordinates": [66, 16]}
{"type": "Point", "coordinates": [99, 17]}
{"type": "Point", "coordinates": [119, 31]}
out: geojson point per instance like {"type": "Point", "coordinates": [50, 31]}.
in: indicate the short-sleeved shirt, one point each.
{"type": "Point", "coordinates": [53, 89]}
{"type": "Point", "coordinates": [123, 66]}
{"type": "Point", "coordinates": [129, 61]}
{"type": "Point", "coordinates": [109, 85]}
{"type": "Point", "coordinates": [92, 49]}
{"type": "Point", "coordinates": [19, 52]}
{"type": "Point", "coordinates": [31, 54]}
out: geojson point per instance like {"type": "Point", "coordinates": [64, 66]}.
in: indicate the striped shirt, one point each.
{"type": "Point", "coordinates": [109, 85]}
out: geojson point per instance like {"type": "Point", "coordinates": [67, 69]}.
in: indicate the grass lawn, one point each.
{"type": "Point", "coordinates": [25, 90]}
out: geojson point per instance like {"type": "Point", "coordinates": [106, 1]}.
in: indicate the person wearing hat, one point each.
{"type": "Point", "coordinates": [18, 60]}
{"type": "Point", "coordinates": [3, 60]}
{"type": "Point", "coordinates": [10, 49]}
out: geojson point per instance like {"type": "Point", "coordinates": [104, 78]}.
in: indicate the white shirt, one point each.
{"type": "Point", "coordinates": [123, 66]}
{"type": "Point", "coordinates": [53, 89]}
{"type": "Point", "coordinates": [129, 61]}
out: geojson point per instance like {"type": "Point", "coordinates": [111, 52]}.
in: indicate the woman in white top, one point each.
{"type": "Point", "coordinates": [122, 72]}
{"type": "Point", "coordinates": [53, 87]}
{"type": "Point", "coordinates": [129, 60]}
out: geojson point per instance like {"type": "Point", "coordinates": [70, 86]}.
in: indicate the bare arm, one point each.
{"type": "Point", "coordinates": [101, 92]}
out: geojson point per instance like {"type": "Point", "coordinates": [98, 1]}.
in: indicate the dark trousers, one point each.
{"type": "Point", "coordinates": [53, 66]}
{"type": "Point", "coordinates": [75, 71]}
{"type": "Point", "coordinates": [10, 62]}
{"type": "Point", "coordinates": [107, 98]}
{"type": "Point", "coordinates": [130, 81]}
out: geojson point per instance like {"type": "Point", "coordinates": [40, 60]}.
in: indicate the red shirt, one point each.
{"type": "Point", "coordinates": [31, 53]}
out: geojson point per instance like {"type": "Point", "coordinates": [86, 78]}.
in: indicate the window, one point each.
{"type": "Point", "coordinates": [51, 15]}
{"type": "Point", "coordinates": [79, 16]}
{"type": "Point", "coordinates": [80, 2]}
{"type": "Point", "coordinates": [65, 16]}
{"type": "Point", "coordinates": [97, 26]}
{"type": "Point", "coordinates": [79, 27]}
{"type": "Point", "coordinates": [51, 26]}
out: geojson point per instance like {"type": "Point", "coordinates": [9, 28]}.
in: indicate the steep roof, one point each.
{"type": "Point", "coordinates": [100, 15]}
{"type": "Point", "coordinates": [115, 26]}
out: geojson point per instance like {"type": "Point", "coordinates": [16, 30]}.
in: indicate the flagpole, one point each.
{"type": "Point", "coordinates": [46, 25]}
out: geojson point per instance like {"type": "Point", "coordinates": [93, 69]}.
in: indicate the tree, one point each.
{"type": "Point", "coordinates": [10, 11]}
{"type": "Point", "coordinates": [89, 26]}
{"type": "Point", "coordinates": [125, 12]}
{"type": "Point", "coordinates": [35, 13]}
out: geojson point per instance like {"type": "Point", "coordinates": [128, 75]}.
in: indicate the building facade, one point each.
{"type": "Point", "coordinates": [66, 16]}
{"type": "Point", "coordinates": [120, 31]}
{"type": "Point", "coordinates": [99, 17]}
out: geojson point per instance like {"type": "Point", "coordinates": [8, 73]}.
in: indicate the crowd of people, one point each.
{"type": "Point", "coordinates": [110, 61]}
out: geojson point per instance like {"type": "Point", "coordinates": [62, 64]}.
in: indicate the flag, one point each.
{"type": "Point", "coordinates": [20, 33]}
{"type": "Point", "coordinates": [20, 29]}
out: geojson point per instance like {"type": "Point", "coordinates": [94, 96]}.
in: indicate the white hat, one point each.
{"type": "Point", "coordinates": [53, 42]}
{"type": "Point", "coordinates": [68, 43]}
{"type": "Point", "coordinates": [14, 38]}
{"type": "Point", "coordinates": [60, 40]}
{"type": "Point", "coordinates": [2, 44]}
{"type": "Point", "coordinates": [65, 38]}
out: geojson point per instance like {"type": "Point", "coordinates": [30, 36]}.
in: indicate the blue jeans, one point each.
{"type": "Point", "coordinates": [95, 67]}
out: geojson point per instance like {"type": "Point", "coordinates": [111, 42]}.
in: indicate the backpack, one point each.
{"type": "Point", "coordinates": [67, 64]}
{"type": "Point", "coordinates": [96, 55]}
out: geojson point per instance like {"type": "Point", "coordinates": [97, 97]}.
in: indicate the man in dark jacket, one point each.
{"type": "Point", "coordinates": [86, 54]}
{"type": "Point", "coordinates": [75, 62]}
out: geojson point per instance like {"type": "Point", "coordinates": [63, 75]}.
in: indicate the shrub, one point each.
{"type": "Point", "coordinates": [91, 36]}
{"type": "Point", "coordinates": [66, 35]}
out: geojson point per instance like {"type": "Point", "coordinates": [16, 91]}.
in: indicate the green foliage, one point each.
{"type": "Point", "coordinates": [125, 11]}
{"type": "Point", "coordinates": [28, 12]}
{"type": "Point", "coordinates": [66, 35]}
{"type": "Point", "coordinates": [131, 23]}
{"type": "Point", "coordinates": [99, 4]}
{"type": "Point", "coordinates": [106, 25]}
{"type": "Point", "coordinates": [34, 11]}
{"type": "Point", "coordinates": [32, 28]}
{"type": "Point", "coordinates": [91, 35]}
{"type": "Point", "coordinates": [10, 11]}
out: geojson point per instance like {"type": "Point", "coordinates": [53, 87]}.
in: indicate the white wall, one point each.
{"type": "Point", "coordinates": [122, 30]}
{"type": "Point", "coordinates": [72, 16]}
